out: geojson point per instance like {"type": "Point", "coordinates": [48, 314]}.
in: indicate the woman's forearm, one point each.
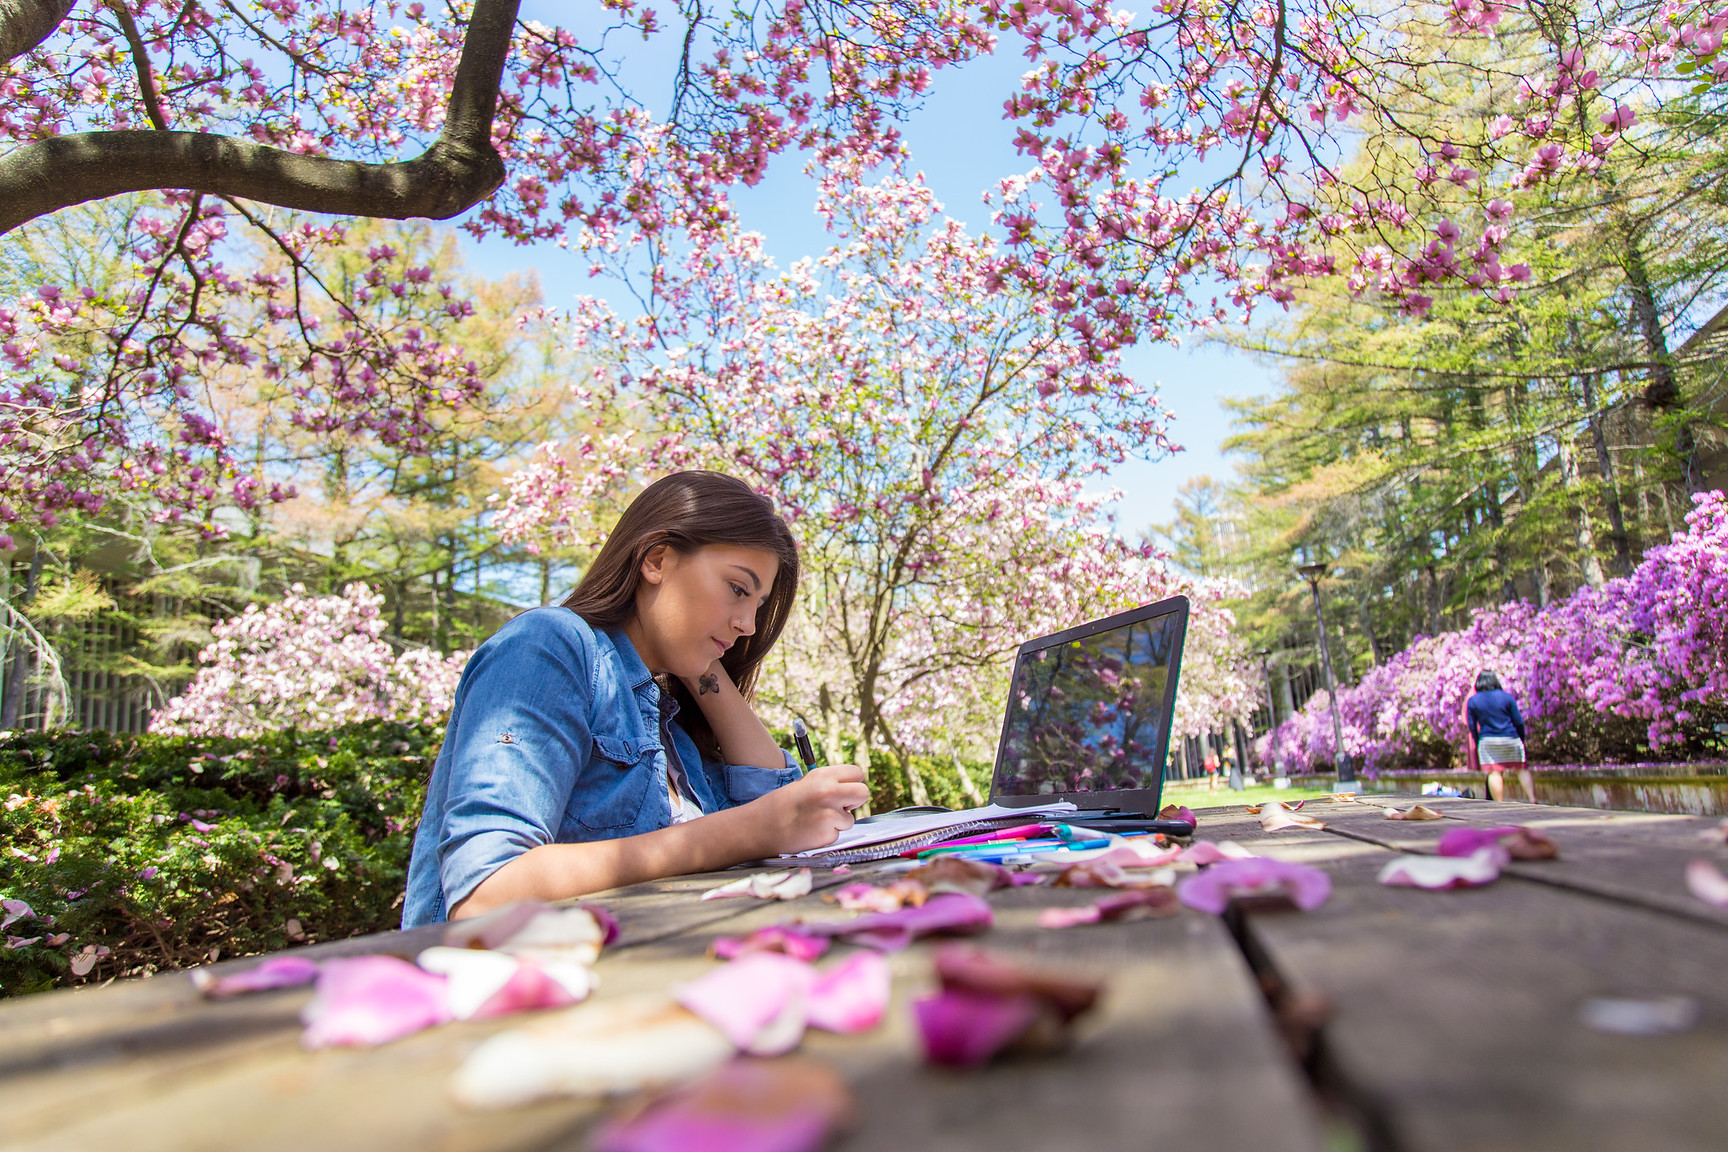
{"type": "Point", "coordinates": [742, 736]}
{"type": "Point", "coordinates": [561, 871]}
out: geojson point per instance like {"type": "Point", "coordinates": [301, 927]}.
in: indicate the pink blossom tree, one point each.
{"type": "Point", "coordinates": [260, 115]}
{"type": "Point", "coordinates": [927, 427]}
{"type": "Point", "coordinates": [310, 662]}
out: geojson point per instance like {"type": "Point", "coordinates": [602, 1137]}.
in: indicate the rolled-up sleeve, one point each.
{"type": "Point", "coordinates": [746, 782]}
{"type": "Point", "coordinates": [516, 745]}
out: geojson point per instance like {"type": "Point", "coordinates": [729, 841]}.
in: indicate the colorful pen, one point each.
{"type": "Point", "coordinates": [801, 737]}
{"type": "Point", "coordinates": [1018, 832]}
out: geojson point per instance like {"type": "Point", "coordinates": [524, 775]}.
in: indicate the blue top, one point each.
{"type": "Point", "coordinates": [558, 734]}
{"type": "Point", "coordinates": [1494, 714]}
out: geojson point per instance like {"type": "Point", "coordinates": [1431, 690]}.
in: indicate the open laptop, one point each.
{"type": "Point", "coordinates": [1086, 729]}
{"type": "Point", "coordinates": [1089, 712]}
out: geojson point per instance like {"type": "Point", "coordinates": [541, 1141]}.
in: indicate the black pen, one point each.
{"type": "Point", "coordinates": [801, 737]}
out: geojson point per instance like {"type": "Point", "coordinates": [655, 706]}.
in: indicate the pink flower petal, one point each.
{"type": "Point", "coordinates": [1436, 872]}
{"type": "Point", "coordinates": [276, 972]}
{"type": "Point", "coordinates": [1069, 917]}
{"type": "Point", "coordinates": [1519, 842]}
{"type": "Point", "coordinates": [1468, 841]}
{"type": "Point", "coordinates": [861, 897]}
{"type": "Point", "coordinates": [1139, 853]}
{"type": "Point", "coordinates": [493, 928]}
{"type": "Point", "coordinates": [1212, 889]}
{"type": "Point", "coordinates": [484, 984]}
{"type": "Point", "coordinates": [963, 1029]}
{"type": "Point", "coordinates": [1206, 852]}
{"type": "Point", "coordinates": [15, 910]}
{"type": "Point", "coordinates": [1707, 883]}
{"type": "Point", "coordinates": [365, 1000]}
{"type": "Point", "coordinates": [952, 913]}
{"type": "Point", "coordinates": [570, 934]}
{"type": "Point", "coordinates": [851, 996]}
{"type": "Point", "coordinates": [774, 938]}
{"type": "Point", "coordinates": [765, 886]}
{"type": "Point", "coordinates": [1179, 812]}
{"type": "Point", "coordinates": [744, 1106]}
{"type": "Point", "coordinates": [759, 1001]}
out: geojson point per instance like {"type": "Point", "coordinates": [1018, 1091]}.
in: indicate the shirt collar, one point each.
{"type": "Point", "coordinates": [635, 671]}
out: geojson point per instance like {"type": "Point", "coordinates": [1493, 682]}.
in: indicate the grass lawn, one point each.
{"type": "Point", "coordinates": [1199, 799]}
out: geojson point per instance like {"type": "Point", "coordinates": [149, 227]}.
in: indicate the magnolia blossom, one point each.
{"type": "Point", "coordinates": [309, 662]}
{"type": "Point", "coordinates": [928, 429]}
{"type": "Point", "coordinates": [1112, 115]}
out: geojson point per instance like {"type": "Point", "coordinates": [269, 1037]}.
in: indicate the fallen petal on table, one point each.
{"type": "Point", "coordinates": [1439, 872]}
{"type": "Point", "coordinates": [610, 1046]}
{"type": "Point", "coordinates": [743, 1106]}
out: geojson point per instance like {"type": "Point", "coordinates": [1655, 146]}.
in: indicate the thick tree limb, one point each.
{"type": "Point", "coordinates": [460, 169]}
{"type": "Point", "coordinates": [26, 23]}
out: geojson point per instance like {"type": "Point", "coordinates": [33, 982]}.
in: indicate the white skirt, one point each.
{"type": "Point", "coordinates": [1492, 750]}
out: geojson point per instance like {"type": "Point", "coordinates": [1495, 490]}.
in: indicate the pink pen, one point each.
{"type": "Point", "coordinates": [1018, 832]}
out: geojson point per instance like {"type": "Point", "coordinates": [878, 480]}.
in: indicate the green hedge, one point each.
{"type": "Point", "coordinates": [172, 851]}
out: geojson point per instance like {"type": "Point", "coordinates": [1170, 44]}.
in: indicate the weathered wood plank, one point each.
{"type": "Point", "coordinates": [1457, 1014]}
{"type": "Point", "coordinates": [77, 1048]}
{"type": "Point", "coordinates": [1181, 1038]}
{"type": "Point", "coordinates": [1636, 858]}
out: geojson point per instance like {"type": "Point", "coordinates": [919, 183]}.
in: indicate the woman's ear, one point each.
{"type": "Point", "coordinates": [654, 564]}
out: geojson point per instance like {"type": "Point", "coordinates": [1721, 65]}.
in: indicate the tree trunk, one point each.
{"type": "Point", "coordinates": [1433, 600]}
{"type": "Point", "coordinates": [1662, 393]}
{"type": "Point", "coordinates": [967, 787]}
{"type": "Point", "coordinates": [1610, 489]}
{"type": "Point", "coordinates": [1502, 553]}
{"type": "Point", "coordinates": [1583, 534]}
{"type": "Point", "coordinates": [20, 670]}
{"type": "Point", "coordinates": [1374, 654]}
{"type": "Point", "coordinates": [914, 780]}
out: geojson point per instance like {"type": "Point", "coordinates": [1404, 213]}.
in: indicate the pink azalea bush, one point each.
{"type": "Point", "coordinates": [1642, 659]}
{"type": "Point", "coordinates": [309, 662]}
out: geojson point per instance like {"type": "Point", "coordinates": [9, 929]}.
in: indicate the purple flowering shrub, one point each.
{"type": "Point", "coordinates": [1637, 666]}
{"type": "Point", "coordinates": [127, 855]}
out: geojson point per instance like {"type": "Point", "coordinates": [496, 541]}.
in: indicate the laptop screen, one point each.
{"type": "Point", "coordinates": [1089, 709]}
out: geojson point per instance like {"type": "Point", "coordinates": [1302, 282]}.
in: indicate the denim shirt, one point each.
{"type": "Point", "coordinates": [555, 737]}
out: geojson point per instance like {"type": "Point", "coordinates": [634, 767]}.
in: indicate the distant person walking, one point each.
{"type": "Point", "coordinates": [1497, 735]}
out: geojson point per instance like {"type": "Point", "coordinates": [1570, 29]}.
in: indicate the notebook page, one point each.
{"type": "Point", "coordinates": [863, 835]}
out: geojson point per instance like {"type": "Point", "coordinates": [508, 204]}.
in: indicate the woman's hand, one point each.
{"type": "Point", "coordinates": [810, 812]}
{"type": "Point", "coordinates": [807, 813]}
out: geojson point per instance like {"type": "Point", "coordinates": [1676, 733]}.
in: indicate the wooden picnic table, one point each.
{"type": "Point", "coordinates": [1387, 1019]}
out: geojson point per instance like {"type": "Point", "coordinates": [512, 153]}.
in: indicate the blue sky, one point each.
{"type": "Point", "coordinates": [961, 144]}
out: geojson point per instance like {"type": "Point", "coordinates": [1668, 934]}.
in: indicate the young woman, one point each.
{"type": "Point", "coordinates": [610, 740]}
{"type": "Point", "coordinates": [1497, 735]}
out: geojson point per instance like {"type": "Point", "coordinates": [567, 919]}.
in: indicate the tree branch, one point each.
{"type": "Point", "coordinates": [26, 23]}
{"type": "Point", "coordinates": [460, 169]}
{"type": "Point", "coordinates": [141, 61]}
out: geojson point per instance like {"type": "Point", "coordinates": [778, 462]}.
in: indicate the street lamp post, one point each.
{"type": "Point", "coordinates": [1346, 770]}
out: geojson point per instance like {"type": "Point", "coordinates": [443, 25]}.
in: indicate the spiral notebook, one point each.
{"type": "Point", "coordinates": [1087, 726]}
{"type": "Point", "coordinates": [863, 842]}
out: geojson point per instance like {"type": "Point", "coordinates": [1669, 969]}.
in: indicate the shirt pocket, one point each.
{"type": "Point", "coordinates": [610, 794]}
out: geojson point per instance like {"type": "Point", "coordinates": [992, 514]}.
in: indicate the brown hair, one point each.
{"type": "Point", "coordinates": [687, 511]}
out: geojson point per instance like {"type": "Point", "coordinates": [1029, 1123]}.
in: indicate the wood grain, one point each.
{"type": "Point", "coordinates": [1456, 1015]}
